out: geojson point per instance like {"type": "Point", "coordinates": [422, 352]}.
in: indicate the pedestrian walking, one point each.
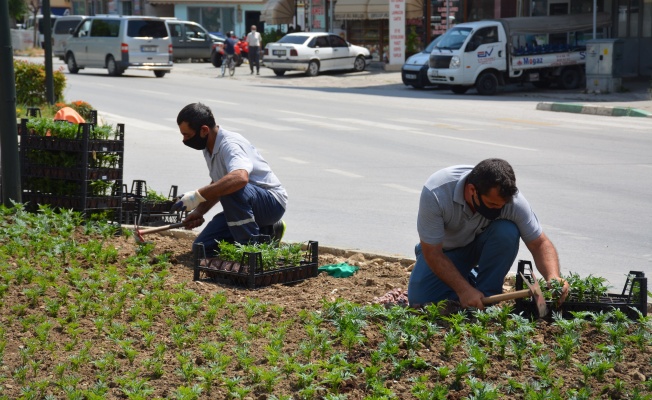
{"type": "Point", "coordinates": [255, 43]}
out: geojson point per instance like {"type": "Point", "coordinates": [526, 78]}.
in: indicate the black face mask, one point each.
{"type": "Point", "coordinates": [482, 209]}
{"type": "Point", "coordinates": [196, 142]}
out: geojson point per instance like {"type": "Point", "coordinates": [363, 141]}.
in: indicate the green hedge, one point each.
{"type": "Point", "coordinates": [30, 83]}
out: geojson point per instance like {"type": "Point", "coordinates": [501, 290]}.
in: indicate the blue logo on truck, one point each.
{"type": "Point", "coordinates": [486, 53]}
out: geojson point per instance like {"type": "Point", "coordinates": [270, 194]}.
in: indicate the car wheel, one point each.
{"type": "Point", "coordinates": [360, 64]}
{"type": "Point", "coordinates": [313, 68]}
{"type": "Point", "coordinates": [487, 84]}
{"type": "Point", "coordinates": [216, 59]}
{"type": "Point", "coordinates": [279, 72]}
{"type": "Point", "coordinates": [160, 74]}
{"type": "Point", "coordinates": [570, 78]}
{"type": "Point", "coordinates": [112, 66]}
{"type": "Point", "coordinates": [459, 89]}
{"type": "Point", "coordinates": [72, 65]}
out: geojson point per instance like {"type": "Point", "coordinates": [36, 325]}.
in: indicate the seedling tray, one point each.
{"type": "Point", "coordinates": [249, 272]}
{"type": "Point", "coordinates": [632, 299]}
{"type": "Point", "coordinates": [140, 210]}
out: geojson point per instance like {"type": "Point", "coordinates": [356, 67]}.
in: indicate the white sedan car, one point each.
{"type": "Point", "coordinates": [312, 52]}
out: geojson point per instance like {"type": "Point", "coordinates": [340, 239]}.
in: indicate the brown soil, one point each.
{"type": "Point", "coordinates": [375, 278]}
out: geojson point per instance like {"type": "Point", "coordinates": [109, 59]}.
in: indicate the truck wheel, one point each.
{"type": "Point", "coordinates": [279, 72]}
{"type": "Point", "coordinates": [159, 74]}
{"type": "Point", "coordinates": [487, 84]}
{"type": "Point", "coordinates": [459, 89]}
{"type": "Point", "coordinates": [570, 78]}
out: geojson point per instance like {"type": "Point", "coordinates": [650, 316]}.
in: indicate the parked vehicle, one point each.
{"type": "Point", "coordinates": [313, 52]}
{"type": "Point", "coordinates": [120, 42]}
{"type": "Point", "coordinates": [190, 40]}
{"type": "Point", "coordinates": [29, 24]}
{"type": "Point", "coordinates": [241, 52]}
{"type": "Point", "coordinates": [61, 31]}
{"type": "Point", "coordinates": [415, 69]}
{"type": "Point", "coordinates": [492, 53]}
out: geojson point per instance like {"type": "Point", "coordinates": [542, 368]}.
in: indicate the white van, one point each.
{"type": "Point", "coordinates": [120, 42]}
{"type": "Point", "coordinates": [29, 24]}
{"type": "Point", "coordinates": [61, 31]}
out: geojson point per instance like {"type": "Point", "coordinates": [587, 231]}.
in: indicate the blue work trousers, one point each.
{"type": "Point", "coordinates": [491, 253]}
{"type": "Point", "coordinates": [248, 212]}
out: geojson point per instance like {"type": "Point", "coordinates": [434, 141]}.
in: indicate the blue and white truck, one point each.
{"type": "Point", "coordinates": [491, 53]}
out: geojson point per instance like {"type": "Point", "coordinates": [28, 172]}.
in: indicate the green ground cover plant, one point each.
{"type": "Point", "coordinates": [86, 313]}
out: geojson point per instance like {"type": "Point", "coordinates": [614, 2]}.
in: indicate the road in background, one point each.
{"type": "Point", "coordinates": [354, 150]}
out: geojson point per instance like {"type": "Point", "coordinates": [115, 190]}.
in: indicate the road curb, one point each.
{"type": "Point", "coordinates": [593, 109]}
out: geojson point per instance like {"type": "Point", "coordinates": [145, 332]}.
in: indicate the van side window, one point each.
{"type": "Point", "coordinates": [62, 27]}
{"type": "Point", "coordinates": [147, 28]}
{"type": "Point", "coordinates": [105, 28]}
{"type": "Point", "coordinates": [85, 28]}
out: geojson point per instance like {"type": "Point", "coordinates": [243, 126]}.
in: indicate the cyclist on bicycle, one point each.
{"type": "Point", "coordinates": [229, 46]}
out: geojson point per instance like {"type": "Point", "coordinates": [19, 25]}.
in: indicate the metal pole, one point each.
{"type": "Point", "coordinates": [47, 45]}
{"type": "Point", "coordinates": [9, 162]}
{"type": "Point", "coordinates": [595, 17]}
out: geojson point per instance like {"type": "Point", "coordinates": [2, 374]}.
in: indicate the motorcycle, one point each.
{"type": "Point", "coordinates": [241, 52]}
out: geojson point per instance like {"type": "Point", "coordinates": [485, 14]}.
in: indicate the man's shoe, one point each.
{"type": "Point", "coordinates": [278, 230]}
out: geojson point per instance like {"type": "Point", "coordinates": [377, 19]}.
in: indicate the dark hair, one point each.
{"type": "Point", "coordinates": [494, 172]}
{"type": "Point", "coordinates": [196, 115]}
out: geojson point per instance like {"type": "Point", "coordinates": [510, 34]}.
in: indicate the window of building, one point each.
{"type": "Point", "coordinates": [647, 19]}
{"type": "Point", "coordinates": [214, 19]}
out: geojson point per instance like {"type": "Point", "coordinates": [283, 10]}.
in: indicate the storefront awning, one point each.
{"type": "Point", "coordinates": [277, 12]}
{"type": "Point", "coordinates": [373, 9]}
{"type": "Point", "coordinates": [350, 9]}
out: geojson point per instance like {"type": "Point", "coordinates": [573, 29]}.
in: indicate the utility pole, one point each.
{"type": "Point", "coordinates": [10, 164]}
{"type": "Point", "coordinates": [47, 46]}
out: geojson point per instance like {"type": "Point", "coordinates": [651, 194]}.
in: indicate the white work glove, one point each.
{"type": "Point", "coordinates": [189, 201]}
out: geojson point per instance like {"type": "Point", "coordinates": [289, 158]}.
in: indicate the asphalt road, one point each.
{"type": "Point", "coordinates": [354, 150]}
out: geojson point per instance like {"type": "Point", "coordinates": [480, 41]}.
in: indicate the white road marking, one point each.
{"type": "Point", "coordinates": [344, 173]}
{"type": "Point", "coordinates": [373, 124]}
{"type": "Point", "coordinates": [325, 124]}
{"type": "Point", "coordinates": [472, 141]}
{"type": "Point", "coordinates": [230, 103]}
{"type": "Point", "coordinates": [154, 92]}
{"type": "Point", "coordinates": [301, 114]}
{"type": "Point", "coordinates": [402, 188]}
{"type": "Point", "coordinates": [294, 160]}
{"type": "Point", "coordinates": [263, 125]}
{"type": "Point", "coordinates": [137, 124]}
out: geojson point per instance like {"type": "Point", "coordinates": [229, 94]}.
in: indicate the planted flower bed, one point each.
{"type": "Point", "coordinates": [72, 166]}
{"type": "Point", "coordinates": [257, 265]}
{"type": "Point", "coordinates": [587, 295]}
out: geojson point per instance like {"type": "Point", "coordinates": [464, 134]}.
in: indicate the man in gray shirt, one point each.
{"type": "Point", "coordinates": [473, 217]}
{"type": "Point", "coordinates": [252, 197]}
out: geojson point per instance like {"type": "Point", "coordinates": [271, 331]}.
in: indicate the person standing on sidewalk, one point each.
{"type": "Point", "coordinates": [252, 197]}
{"type": "Point", "coordinates": [255, 43]}
{"type": "Point", "coordinates": [472, 218]}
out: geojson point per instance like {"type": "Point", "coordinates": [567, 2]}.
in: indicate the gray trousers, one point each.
{"type": "Point", "coordinates": [254, 58]}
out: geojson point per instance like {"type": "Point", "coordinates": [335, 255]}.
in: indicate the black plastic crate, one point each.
{"type": "Point", "coordinates": [632, 298]}
{"type": "Point", "coordinates": [249, 272]}
{"type": "Point", "coordinates": [138, 210]}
